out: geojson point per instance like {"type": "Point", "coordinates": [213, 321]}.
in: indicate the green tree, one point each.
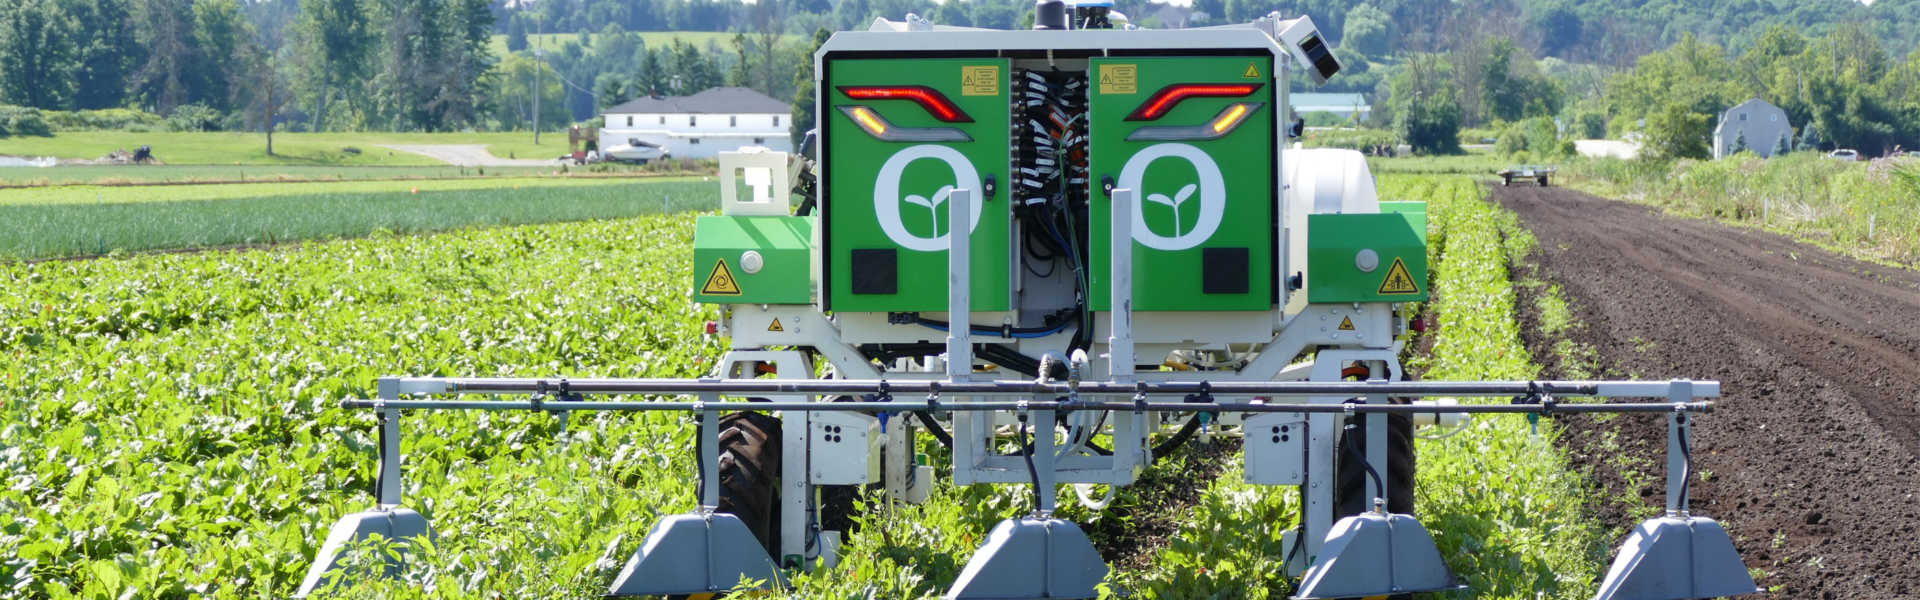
{"type": "Point", "coordinates": [610, 91]}
{"type": "Point", "coordinates": [435, 59]}
{"type": "Point", "coordinates": [1781, 146]}
{"type": "Point", "coordinates": [1511, 85]}
{"type": "Point", "coordinates": [106, 52]}
{"type": "Point", "coordinates": [512, 101]}
{"type": "Point", "coordinates": [698, 71]}
{"type": "Point", "coordinates": [1809, 138]}
{"type": "Point", "coordinates": [224, 40]}
{"type": "Point", "coordinates": [1675, 132]}
{"type": "Point", "coordinates": [516, 34]}
{"type": "Point", "coordinates": [1369, 31]}
{"type": "Point", "coordinates": [804, 118]}
{"type": "Point", "coordinates": [1696, 75]}
{"type": "Point", "coordinates": [171, 72]}
{"type": "Point", "coordinates": [1425, 111]}
{"type": "Point", "coordinates": [1739, 142]}
{"type": "Point", "coordinates": [337, 46]}
{"type": "Point", "coordinates": [651, 78]}
{"type": "Point", "coordinates": [37, 51]}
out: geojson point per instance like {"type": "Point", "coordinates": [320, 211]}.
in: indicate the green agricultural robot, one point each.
{"type": "Point", "coordinates": [1061, 253]}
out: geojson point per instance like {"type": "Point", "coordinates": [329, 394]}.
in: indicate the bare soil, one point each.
{"type": "Point", "coordinates": [1812, 449]}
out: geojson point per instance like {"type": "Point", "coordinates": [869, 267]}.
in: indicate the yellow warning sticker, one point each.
{"type": "Point", "coordinates": [775, 326]}
{"type": "Point", "coordinates": [1346, 324]}
{"type": "Point", "coordinates": [980, 81]}
{"type": "Point", "coordinates": [1253, 71]}
{"type": "Point", "coordinates": [721, 282]}
{"type": "Point", "coordinates": [1119, 79]}
{"type": "Point", "coordinates": [1398, 281]}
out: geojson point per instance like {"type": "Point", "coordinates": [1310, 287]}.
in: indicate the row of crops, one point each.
{"type": "Point", "coordinates": [80, 221]}
{"type": "Point", "coordinates": [167, 425]}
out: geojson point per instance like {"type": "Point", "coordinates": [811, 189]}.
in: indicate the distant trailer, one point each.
{"type": "Point", "coordinates": [1538, 174]}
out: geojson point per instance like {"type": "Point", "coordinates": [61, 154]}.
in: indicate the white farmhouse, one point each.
{"type": "Point", "coordinates": [702, 125]}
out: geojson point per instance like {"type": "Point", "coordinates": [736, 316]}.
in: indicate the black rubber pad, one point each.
{"type": "Point", "coordinates": [876, 271]}
{"type": "Point", "coordinates": [1224, 270]}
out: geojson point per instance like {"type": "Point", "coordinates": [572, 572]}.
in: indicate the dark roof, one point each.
{"type": "Point", "coordinates": [722, 100]}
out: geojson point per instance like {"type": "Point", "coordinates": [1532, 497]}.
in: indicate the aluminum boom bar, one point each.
{"type": "Point", "coordinates": [1610, 389]}
{"type": "Point", "coordinates": [1650, 407]}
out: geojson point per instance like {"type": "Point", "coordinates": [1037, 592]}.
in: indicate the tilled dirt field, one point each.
{"type": "Point", "coordinates": [1812, 451]}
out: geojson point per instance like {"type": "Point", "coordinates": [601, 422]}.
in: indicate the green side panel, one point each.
{"type": "Point", "coordinates": [1229, 210]}
{"type": "Point", "coordinates": [1335, 241]}
{"type": "Point", "coordinates": [784, 243]}
{"type": "Point", "coordinates": [1415, 212]}
{"type": "Point", "coordinates": [858, 167]}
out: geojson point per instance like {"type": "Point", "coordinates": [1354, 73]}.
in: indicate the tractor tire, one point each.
{"type": "Point", "coordinates": [750, 475]}
{"type": "Point", "coordinates": [1353, 490]}
{"type": "Point", "coordinates": [1543, 182]}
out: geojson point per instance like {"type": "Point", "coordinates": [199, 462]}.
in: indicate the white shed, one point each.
{"type": "Point", "coordinates": [701, 125]}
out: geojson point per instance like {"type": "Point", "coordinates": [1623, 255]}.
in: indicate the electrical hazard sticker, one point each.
{"type": "Point", "coordinates": [1253, 71]}
{"type": "Point", "coordinates": [721, 282]}
{"type": "Point", "coordinates": [1398, 282]}
{"type": "Point", "coordinates": [1346, 324]}
{"type": "Point", "coordinates": [1119, 79]}
{"type": "Point", "coordinates": [980, 81]}
{"type": "Point", "coordinates": [775, 326]}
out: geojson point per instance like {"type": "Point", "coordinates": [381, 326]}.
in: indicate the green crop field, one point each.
{"type": "Point", "coordinates": [86, 220]}
{"type": "Point", "coordinates": [169, 429]}
{"type": "Point", "coordinates": [250, 148]}
{"type": "Point", "coordinates": [128, 194]}
{"type": "Point", "coordinates": [168, 174]}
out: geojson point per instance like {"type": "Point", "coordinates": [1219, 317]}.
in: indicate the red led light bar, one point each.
{"type": "Point", "coordinates": [931, 99]}
{"type": "Point", "coordinates": [1163, 101]}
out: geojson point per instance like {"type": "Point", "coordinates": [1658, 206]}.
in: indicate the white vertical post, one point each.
{"type": "Point", "coordinates": [1128, 431]}
{"type": "Point", "coordinates": [959, 278]}
{"type": "Point", "coordinates": [1377, 441]}
{"type": "Point", "coordinates": [1120, 355]}
{"type": "Point", "coordinates": [795, 489]}
{"type": "Point", "coordinates": [1043, 452]}
{"type": "Point", "coordinates": [709, 452]}
{"type": "Point", "coordinates": [389, 486]}
{"type": "Point", "coordinates": [1678, 390]}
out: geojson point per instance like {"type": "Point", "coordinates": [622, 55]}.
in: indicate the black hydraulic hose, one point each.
{"type": "Point", "coordinates": [987, 330]}
{"type": "Point", "coordinates": [934, 428]}
{"type": "Point", "coordinates": [1031, 470]}
{"type": "Point", "coordinates": [1686, 465]}
{"type": "Point", "coordinates": [1009, 359]}
{"type": "Point", "coordinates": [1379, 489]}
{"type": "Point", "coordinates": [1180, 437]}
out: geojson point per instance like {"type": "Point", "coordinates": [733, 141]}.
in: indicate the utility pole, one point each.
{"type": "Point", "coordinates": [539, 54]}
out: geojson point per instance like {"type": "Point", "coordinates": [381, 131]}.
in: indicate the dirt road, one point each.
{"type": "Point", "coordinates": [471, 155]}
{"type": "Point", "coordinates": [1812, 455]}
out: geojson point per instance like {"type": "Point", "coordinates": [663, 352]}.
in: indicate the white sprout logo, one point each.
{"type": "Point", "coordinates": [887, 200]}
{"type": "Point", "coordinates": [1174, 203]}
{"type": "Point", "coordinates": [1213, 197]}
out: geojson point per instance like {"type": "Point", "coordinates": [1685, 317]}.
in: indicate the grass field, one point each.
{"type": "Point", "coordinates": [120, 174]}
{"type": "Point", "coordinates": [131, 194]}
{"type": "Point", "coordinates": [86, 220]}
{"type": "Point", "coordinates": [228, 148]}
{"type": "Point", "coordinates": [1864, 209]}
